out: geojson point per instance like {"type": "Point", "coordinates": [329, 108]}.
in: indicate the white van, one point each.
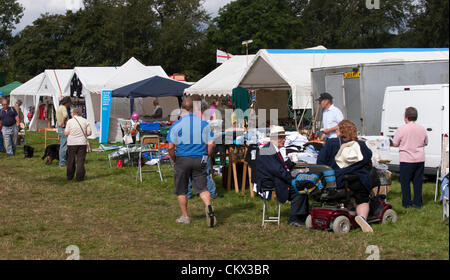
{"type": "Point", "coordinates": [431, 102]}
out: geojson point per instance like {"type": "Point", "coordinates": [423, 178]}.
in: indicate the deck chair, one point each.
{"type": "Point", "coordinates": [149, 144]}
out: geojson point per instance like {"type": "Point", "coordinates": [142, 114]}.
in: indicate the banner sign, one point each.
{"type": "Point", "coordinates": [105, 115]}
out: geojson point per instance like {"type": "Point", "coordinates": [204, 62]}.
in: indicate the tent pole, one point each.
{"type": "Point", "coordinates": [295, 118]}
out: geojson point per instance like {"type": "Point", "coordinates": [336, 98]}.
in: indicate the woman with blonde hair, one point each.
{"type": "Point", "coordinates": [348, 156]}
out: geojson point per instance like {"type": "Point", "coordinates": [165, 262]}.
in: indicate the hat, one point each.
{"type": "Point", "coordinates": [348, 154]}
{"type": "Point", "coordinates": [325, 96]}
{"type": "Point", "coordinates": [65, 100]}
{"type": "Point", "coordinates": [276, 130]}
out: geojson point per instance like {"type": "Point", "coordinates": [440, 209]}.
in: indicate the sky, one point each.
{"type": "Point", "coordinates": [34, 8]}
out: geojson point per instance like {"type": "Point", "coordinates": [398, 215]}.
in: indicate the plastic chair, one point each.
{"type": "Point", "coordinates": [149, 144]}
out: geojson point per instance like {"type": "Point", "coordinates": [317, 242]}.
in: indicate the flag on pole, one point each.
{"type": "Point", "coordinates": [223, 57]}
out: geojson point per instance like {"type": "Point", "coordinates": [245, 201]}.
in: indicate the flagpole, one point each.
{"type": "Point", "coordinates": [246, 45]}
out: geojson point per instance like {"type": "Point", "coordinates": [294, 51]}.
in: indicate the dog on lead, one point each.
{"type": "Point", "coordinates": [51, 153]}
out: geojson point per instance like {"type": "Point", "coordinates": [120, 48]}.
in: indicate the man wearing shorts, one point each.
{"type": "Point", "coordinates": [190, 144]}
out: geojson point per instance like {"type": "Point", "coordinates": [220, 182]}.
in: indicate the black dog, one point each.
{"type": "Point", "coordinates": [51, 153]}
{"type": "Point", "coordinates": [28, 151]}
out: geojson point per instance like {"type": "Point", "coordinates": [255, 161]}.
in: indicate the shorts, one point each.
{"type": "Point", "coordinates": [359, 192]}
{"type": "Point", "coordinates": [189, 167]}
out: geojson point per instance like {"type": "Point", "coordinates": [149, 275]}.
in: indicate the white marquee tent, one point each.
{"type": "Point", "coordinates": [50, 85]}
{"type": "Point", "coordinates": [291, 69]}
{"type": "Point", "coordinates": [223, 79]}
{"type": "Point", "coordinates": [97, 79]}
{"type": "Point", "coordinates": [56, 83]}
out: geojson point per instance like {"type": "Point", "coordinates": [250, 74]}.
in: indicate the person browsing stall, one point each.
{"type": "Point", "coordinates": [331, 117]}
{"type": "Point", "coordinates": [62, 117]}
{"type": "Point", "coordinates": [191, 141]}
{"type": "Point", "coordinates": [273, 171]}
{"type": "Point", "coordinates": [211, 185]}
{"type": "Point", "coordinates": [77, 131]}
{"type": "Point", "coordinates": [348, 156]}
{"type": "Point", "coordinates": [411, 139]}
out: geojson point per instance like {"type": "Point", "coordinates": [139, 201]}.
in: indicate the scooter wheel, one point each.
{"type": "Point", "coordinates": [341, 225]}
{"type": "Point", "coordinates": [389, 216]}
{"type": "Point", "coordinates": [308, 223]}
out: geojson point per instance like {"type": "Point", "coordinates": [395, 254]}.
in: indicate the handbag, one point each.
{"type": "Point", "coordinates": [88, 146]}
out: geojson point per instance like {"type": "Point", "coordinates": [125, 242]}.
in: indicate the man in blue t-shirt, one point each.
{"type": "Point", "coordinates": [9, 122]}
{"type": "Point", "coordinates": [191, 142]}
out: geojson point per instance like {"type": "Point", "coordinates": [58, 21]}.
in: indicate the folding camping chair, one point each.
{"type": "Point", "coordinates": [267, 193]}
{"type": "Point", "coordinates": [109, 151]}
{"type": "Point", "coordinates": [149, 144]}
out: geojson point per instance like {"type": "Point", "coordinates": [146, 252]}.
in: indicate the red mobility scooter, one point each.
{"type": "Point", "coordinates": [335, 213]}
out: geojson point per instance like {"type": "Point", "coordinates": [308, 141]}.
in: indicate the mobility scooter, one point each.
{"type": "Point", "coordinates": [336, 212]}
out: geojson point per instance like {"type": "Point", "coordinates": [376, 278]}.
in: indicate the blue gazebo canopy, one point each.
{"type": "Point", "coordinates": [153, 87]}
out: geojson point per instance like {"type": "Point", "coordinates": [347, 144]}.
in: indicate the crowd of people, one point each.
{"type": "Point", "coordinates": [191, 145]}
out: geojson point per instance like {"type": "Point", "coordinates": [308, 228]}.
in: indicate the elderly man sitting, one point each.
{"type": "Point", "coordinates": [273, 171]}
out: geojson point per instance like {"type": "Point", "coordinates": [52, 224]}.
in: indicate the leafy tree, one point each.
{"type": "Point", "coordinates": [350, 24]}
{"type": "Point", "coordinates": [10, 14]}
{"type": "Point", "coordinates": [429, 26]}
{"type": "Point", "coordinates": [180, 38]}
{"type": "Point", "coordinates": [42, 46]}
{"type": "Point", "coordinates": [269, 23]}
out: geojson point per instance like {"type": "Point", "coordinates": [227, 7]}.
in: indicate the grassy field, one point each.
{"type": "Point", "coordinates": [110, 216]}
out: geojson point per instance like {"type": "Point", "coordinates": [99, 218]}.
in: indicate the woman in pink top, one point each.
{"type": "Point", "coordinates": [411, 140]}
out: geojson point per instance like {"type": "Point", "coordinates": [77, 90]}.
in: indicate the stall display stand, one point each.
{"type": "Point", "coordinates": [47, 137]}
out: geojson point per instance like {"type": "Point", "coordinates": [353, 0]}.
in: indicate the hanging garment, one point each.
{"type": "Point", "coordinates": [42, 111]}
{"type": "Point", "coordinates": [241, 99]}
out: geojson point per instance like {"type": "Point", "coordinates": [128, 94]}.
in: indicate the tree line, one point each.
{"type": "Point", "coordinates": [182, 37]}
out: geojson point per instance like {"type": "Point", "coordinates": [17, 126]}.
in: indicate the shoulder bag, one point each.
{"type": "Point", "coordinates": [88, 146]}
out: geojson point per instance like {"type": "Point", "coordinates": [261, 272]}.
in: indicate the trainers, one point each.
{"type": "Point", "coordinates": [183, 220]}
{"type": "Point", "coordinates": [211, 220]}
{"type": "Point", "coordinates": [297, 224]}
{"type": "Point", "coordinates": [363, 224]}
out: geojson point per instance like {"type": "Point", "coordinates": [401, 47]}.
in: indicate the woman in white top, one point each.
{"type": "Point", "coordinates": [77, 130]}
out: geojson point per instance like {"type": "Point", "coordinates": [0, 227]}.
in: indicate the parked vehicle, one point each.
{"type": "Point", "coordinates": [431, 102]}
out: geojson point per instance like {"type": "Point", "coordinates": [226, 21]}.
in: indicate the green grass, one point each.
{"type": "Point", "coordinates": [110, 216]}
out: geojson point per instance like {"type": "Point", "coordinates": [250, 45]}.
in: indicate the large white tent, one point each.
{"type": "Point", "coordinates": [49, 85]}
{"type": "Point", "coordinates": [291, 69]}
{"type": "Point", "coordinates": [96, 79]}
{"type": "Point", "coordinates": [222, 80]}
{"type": "Point", "coordinates": [54, 84]}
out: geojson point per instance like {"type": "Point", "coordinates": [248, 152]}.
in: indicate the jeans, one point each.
{"type": "Point", "coordinates": [62, 146]}
{"type": "Point", "coordinates": [210, 184]}
{"type": "Point", "coordinates": [411, 172]}
{"type": "Point", "coordinates": [299, 206]}
{"type": "Point", "coordinates": [2, 148]}
{"type": "Point", "coordinates": [10, 139]}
